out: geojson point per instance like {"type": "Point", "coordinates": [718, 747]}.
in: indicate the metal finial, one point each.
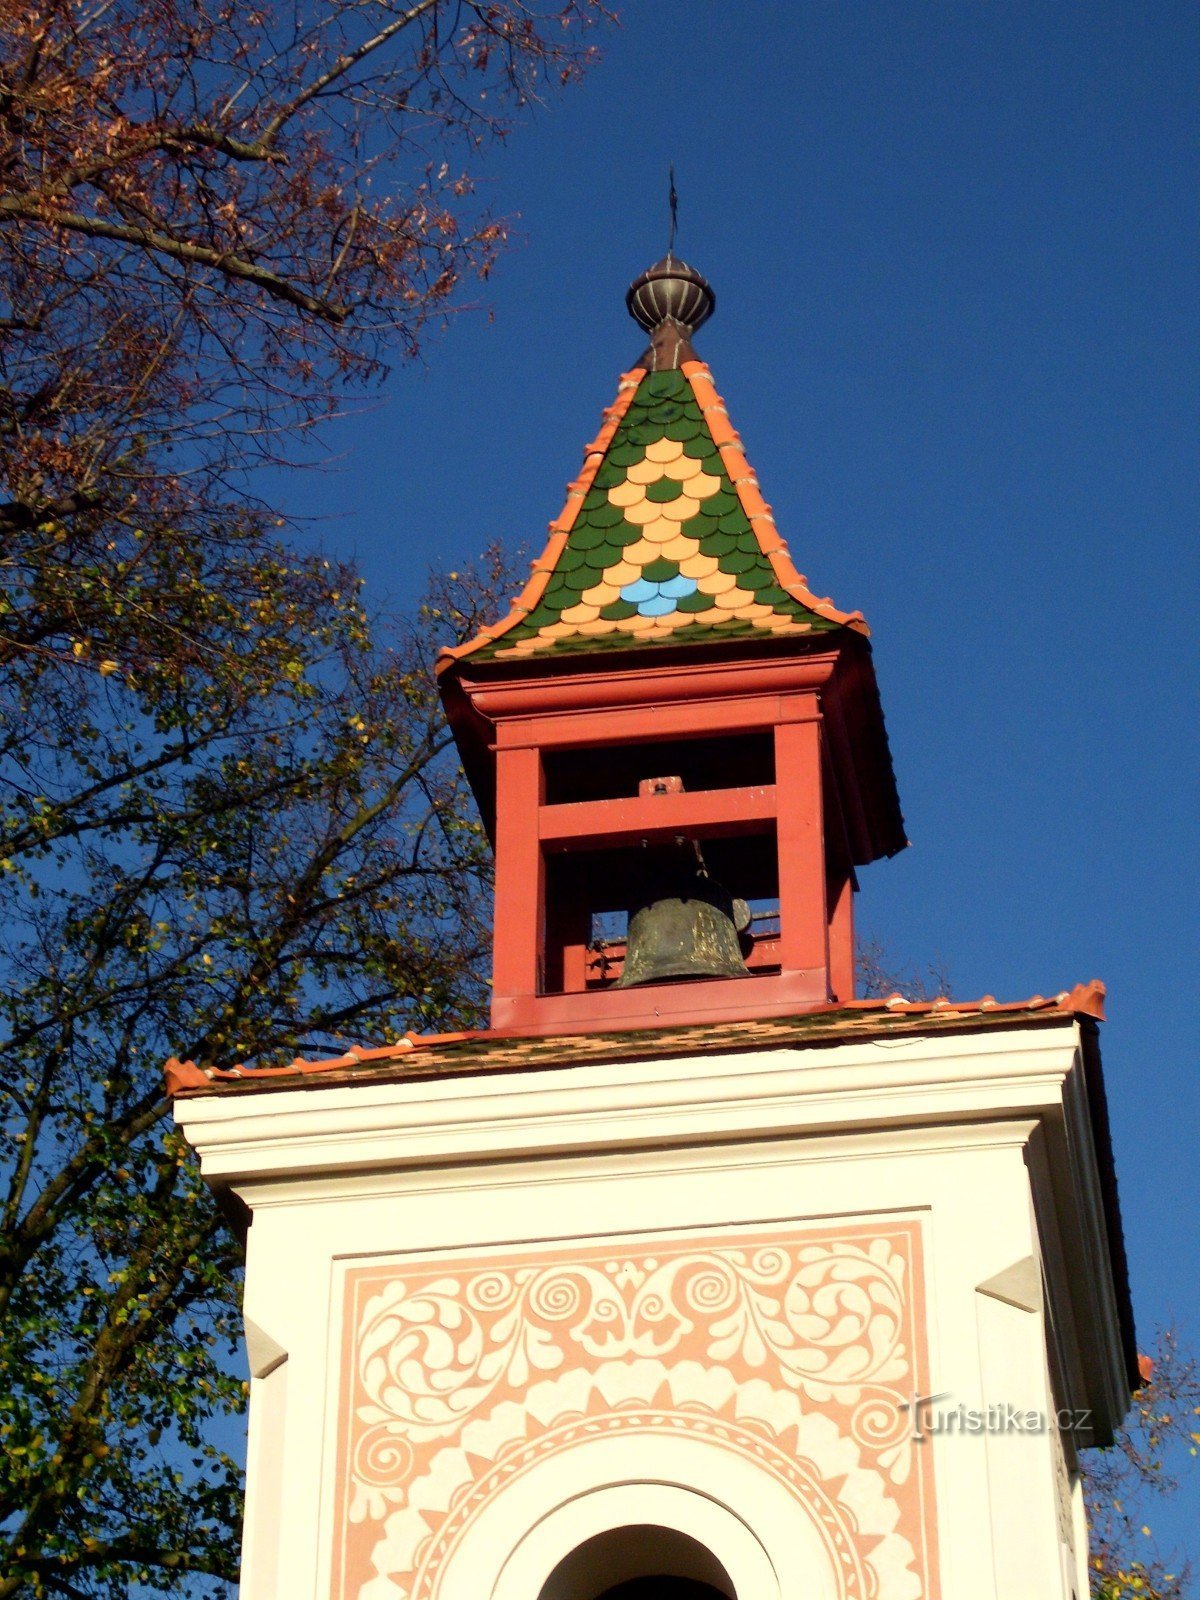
{"type": "Point", "coordinates": [673, 202]}
{"type": "Point", "coordinates": [670, 291]}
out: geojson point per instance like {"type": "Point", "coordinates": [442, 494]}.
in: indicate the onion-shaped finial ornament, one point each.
{"type": "Point", "coordinates": [670, 291]}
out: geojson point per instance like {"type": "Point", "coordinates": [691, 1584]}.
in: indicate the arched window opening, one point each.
{"type": "Point", "coordinates": [642, 1562]}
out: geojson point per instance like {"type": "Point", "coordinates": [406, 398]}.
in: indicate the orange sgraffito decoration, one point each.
{"type": "Point", "coordinates": [539, 1353]}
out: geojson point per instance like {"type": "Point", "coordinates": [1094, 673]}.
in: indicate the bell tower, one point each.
{"type": "Point", "coordinates": [669, 735]}
{"type": "Point", "coordinates": [693, 1277]}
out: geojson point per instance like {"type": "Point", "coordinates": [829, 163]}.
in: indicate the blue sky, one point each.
{"type": "Point", "coordinates": [953, 247]}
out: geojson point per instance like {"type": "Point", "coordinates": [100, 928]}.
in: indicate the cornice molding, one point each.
{"type": "Point", "coordinates": [693, 1100]}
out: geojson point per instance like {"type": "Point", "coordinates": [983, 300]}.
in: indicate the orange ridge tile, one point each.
{"type": "Point", "coordinates": [750, 495]}
{"type": "Point", "coordinates": [548, 559]}
{"type": "Point", "coordinates": [613, 414]}
{"type": "Point", "coordinates": [187, 1075]}
{"type": "Point", "coordinates": [716, 419]}
{"type": "Point", "coordinates": [183, 1075]}
{"type": "Point", "coordinates": [1086, 998]}
{"type": "Point", "coordinates": [379, 1052]}
{"type": "Point", "coordinates": [561, 525]}
{"type": "Point", "coordinates": [733, 459]}
{"type": "Point", "coordinates": [425, 1040]}
{"type": "Point", "coordinates": [793, 580]}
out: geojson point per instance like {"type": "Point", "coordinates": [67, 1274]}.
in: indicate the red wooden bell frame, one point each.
{"type": "Point", "coordinates": [786, 784]}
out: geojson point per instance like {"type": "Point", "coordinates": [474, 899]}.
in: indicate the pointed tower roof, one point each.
{"type": "Point", "coordinates": [665, 538]}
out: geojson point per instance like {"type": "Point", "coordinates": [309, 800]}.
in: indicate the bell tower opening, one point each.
{"type": "Point", "coordinates": [642, 1562]}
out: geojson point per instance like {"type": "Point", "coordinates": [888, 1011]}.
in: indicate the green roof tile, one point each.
{"type": "Point", "coordinates": [757, 578]}
{"type": "Point", "coordinates": [585, 537]}
{"type": "Point", "coordinates": [660, 571]}
{"type": "Point", "coordinates": [601, 514]}
{"type": "Point", "coordinates": [697, 444]}
{"type": "Point", "coordinates": [724, 501]}
{"type": "Point", "coordinates": [572, 556]}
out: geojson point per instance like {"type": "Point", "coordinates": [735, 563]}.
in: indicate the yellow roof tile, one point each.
{"type": "Point", "coordinates": [628, 493]}
{"type": "Point", "coordinates": [660, 532]}
{"type": "Point", "coordinates": [626, 571]}
{"type": "Point", "coordinates": [681, 548]}
{"type": "Point", "coordinates": [718, 582]}
{"type": "Point", "coordinates": [693, 566]}
{"type": "Point", "coordinates": [681, 510]}
{"type": "Point", "coordinates": [685, 468]}
{"type": "Point", "coordinates": [645, 511]}
{"type": "Point", "coordinates": [636, 555]}
{"type": "Point", "coordinates": [645, 472]}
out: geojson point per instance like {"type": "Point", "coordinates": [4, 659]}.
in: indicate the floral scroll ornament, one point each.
{"type": "Point", "coordinates": [826, 1320]}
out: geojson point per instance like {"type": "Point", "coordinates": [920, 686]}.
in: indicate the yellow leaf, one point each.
{"type": "Point", "coordinates": [107, 667]}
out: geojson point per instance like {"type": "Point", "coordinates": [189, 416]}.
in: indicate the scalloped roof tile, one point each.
{"type": "Point", "coordinates": [664, 539]}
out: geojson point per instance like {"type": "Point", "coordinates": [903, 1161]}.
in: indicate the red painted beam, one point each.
{"type": "Point", "coordinates": [707, 813]}
{"type": "Point", "coordinates": [628, 724]}
{"type": "Point", "coordinates": [651, 686]}
{"type": "Point", "coordinates": [803, 926]}
{"type": "Point", "coordinates": [518, 936]}
{"type": "Point", "coordinates": [654, 1004]}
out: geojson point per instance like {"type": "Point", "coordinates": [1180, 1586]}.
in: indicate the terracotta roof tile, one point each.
{"type": "Point", "coordinates": [664, 537]}
{"type": "Point", "coordinates": [481, 1050]}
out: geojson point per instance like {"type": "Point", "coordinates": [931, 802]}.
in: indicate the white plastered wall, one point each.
{"type": "Point", "coordinates": [938, 1129]}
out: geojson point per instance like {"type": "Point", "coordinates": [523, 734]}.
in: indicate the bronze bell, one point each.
{"type": "Point", "coordinates": [686, 925]}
